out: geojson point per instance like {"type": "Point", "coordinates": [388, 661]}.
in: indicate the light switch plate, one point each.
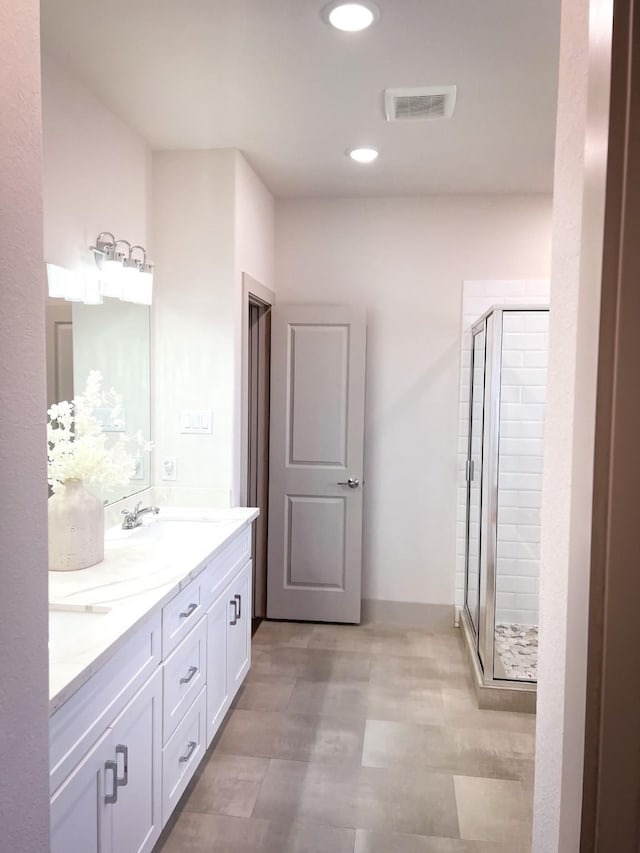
{"type": "Point", "coordinates": [196, 422]}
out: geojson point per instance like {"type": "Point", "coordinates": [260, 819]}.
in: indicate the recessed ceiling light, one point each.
{"type": "Point", "coordinates": [363, 155]}
{"type": "Point", "coordinates": [351, 17]}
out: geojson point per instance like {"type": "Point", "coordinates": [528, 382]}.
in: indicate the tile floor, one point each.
{"type": "Point", "coordinates": [360, 740]}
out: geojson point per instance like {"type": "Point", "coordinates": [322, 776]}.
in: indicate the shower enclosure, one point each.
{"type": "Point", "coordinates": [503, 474]}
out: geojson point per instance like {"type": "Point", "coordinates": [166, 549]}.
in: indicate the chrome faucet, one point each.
{"type": "Point", "coordinates": [134, 518]}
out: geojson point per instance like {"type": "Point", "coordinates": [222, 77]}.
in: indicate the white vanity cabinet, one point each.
{"type": "Point", "coordinates": [228, 647]}
{"type": "Point", "coordinates": [239, 633]}
{"type": "Point", "coordinates": [79, 819]}
{"type": "Point", "coordinates": [111, 802]}
{"type": "Point", "coordinates": [125, 745]}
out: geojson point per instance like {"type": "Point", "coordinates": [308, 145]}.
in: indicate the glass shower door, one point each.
{"type": "Point", "coordinates": [474, 479]}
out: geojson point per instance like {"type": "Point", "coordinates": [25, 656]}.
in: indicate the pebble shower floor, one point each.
{"type": "Point", "coordinates": [517, 647]}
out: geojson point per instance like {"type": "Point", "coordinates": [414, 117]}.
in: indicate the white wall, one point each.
{"type": "Point", "coordinates": [405, 261]}
{"type": "Point", "coordinates": [254, 254]}
{"type": "Point", "coordinates": [212, 221]}
{"type": "Point", "coordinates": [193, 310]}
{"type": "Point", "coordinates": [578, 221]}
{"type": "Point", "coordinates": [24, 781]}
{"type": "Point", "coordinates": [96, 172]}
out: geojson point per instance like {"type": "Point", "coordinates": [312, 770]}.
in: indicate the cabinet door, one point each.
{"type": "Point", "coordinates": [239, 630]}
{"type": "Point", "coordinates": [217, 692]}
{"type": "Point", "coordinates": [80, 818]}
{"type": "Point", "coordinates": [136, 744]}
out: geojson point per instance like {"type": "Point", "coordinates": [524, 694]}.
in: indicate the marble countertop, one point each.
{"type": "Point", "coordinates": [94, 610]}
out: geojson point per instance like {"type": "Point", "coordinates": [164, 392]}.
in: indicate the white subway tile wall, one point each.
{"type": "Point", "coordinates": [520, 454]}
{"type": "Point", "coordinates": [520, 472]}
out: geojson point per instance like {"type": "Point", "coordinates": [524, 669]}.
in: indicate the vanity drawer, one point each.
{"type": "Point", "coordinates": [180, 615]}
{"type": "Point", "coordinates": [183, 753]}
{"type": "Point", "coordinates": [220, 571]}
{"type": "Point", "coordinates": [184, 674]}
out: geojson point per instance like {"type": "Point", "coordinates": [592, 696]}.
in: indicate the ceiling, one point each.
{"type": "Point", "coordinates": [270, 78]}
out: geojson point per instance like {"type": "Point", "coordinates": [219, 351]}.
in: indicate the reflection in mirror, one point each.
{"type": "Point", "coordinates": [112, 337]}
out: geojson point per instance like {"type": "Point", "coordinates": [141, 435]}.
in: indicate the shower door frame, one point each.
{"type": "Point", "coordinates": [484, 638]}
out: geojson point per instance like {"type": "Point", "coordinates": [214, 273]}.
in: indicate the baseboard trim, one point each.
{"type": "Point", "coordinates": [409, 614]}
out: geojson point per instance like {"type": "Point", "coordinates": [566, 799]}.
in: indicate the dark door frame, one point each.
{"type": "Point", "coordinates": [611, 789]}
{"type": "Point", "coordinates": [255, 426]}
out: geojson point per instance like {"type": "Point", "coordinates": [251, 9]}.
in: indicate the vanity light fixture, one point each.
{"type": "Point", "coordinates": [351, 17]}
{"type": "Point", "coordinates": [122, 274]}
{"type": "Point", "coordinates": [363, 155]}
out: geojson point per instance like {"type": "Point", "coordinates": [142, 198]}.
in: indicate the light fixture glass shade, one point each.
{"type": "Point", "coordinates": [129, 282]}
{"type": "Point", "coordinates": [73, 286]}
{"type": "Point", "coordinates": [111, 279]}
{"type": "Point", "coordinates": [91, 288]}
{"type": "Point", "coordinates": [144, 286]}
{"type": "Point", "coordinates": [56, 278]}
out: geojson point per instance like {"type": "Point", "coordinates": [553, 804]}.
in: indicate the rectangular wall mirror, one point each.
{"type": "Point", "coordinates": [112, 337]}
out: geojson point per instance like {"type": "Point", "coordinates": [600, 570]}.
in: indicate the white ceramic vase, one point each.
{"type": "Point", "coordinates": [76, 528]}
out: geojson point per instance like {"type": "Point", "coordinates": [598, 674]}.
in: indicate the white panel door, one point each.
{"type": "Point", "coordinates": [316, 462]}
{"type": "Point", "coordinates": [136, 739]}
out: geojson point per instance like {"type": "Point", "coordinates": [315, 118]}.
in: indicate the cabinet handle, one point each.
{"type": "Point", "coordinates": [238, 598]}
{"type": "Point", "coordinates": [191, 672]}
{"type": "Point", "coordinates": [189, 752]}
{"type": "Point", "coordinates": [112, 798]}
{"type": "Point", "coordinates": [190, 609]}
{"type": "Point", "coordinates": [124, 751]}
{"type": "Point", "coordinates": [234, 604]}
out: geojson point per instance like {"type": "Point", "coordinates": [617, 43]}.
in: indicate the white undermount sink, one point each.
{"type": "Point", "coordinates": [175, 530]}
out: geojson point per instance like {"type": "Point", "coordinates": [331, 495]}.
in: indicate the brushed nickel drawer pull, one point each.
{"type": "Point", "coordinates": [124, 751]}
{"type": "Point", "coordinates": [112, 798]}
{"type": "Point", "coordinates": [234, 604]}
{"type": "Point", "coordinates": [192, 745]}
{"type": "Point", "coordinates": [191, 672]}
{"type": "Point", "coordinates": [190, 609]}
{"type": "Point", "coordinates": [238, 598]}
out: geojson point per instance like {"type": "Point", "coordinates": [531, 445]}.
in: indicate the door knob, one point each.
{"type": "Point", "coordinates": [352, 482]}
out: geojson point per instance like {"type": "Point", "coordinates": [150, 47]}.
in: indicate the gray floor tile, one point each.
{"type": "Point", "coordinates": [299, 737]}
{"type": "Point", "coordinates": [204, 833]}
{"type": "Point", "coordinates": [265, 692]}
{"type": "Point", "coordinates": [405, 671]}
{"type": "Point", "coordinates": [461, 711]}
{"type": "Point", "coordinates": [364, 700]}
{"type": "Point", "coordinates": [311, 664]}
{"type": "Point", "coordinates": [359, 797]}
{"type": "Point", "coordinates": [297, 837]}
{"type": "Point", "coordinates": [284, 634]}
{"type": "Point", "coordinates": [374, 842]}
{"type": "Point", "coordinates": [361, 739]}
{"type": "Point", "coordinates": [228, 785]}
{"type": "Point", "coordinates": [344, 638]}
{"type": "Point", "coordinates": [494, 809]}
{"type": "Point", "coordinates": [469, 752]}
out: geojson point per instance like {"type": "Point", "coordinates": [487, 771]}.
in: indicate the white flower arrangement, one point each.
{"type": "Point", "coordinates": [77, 445]}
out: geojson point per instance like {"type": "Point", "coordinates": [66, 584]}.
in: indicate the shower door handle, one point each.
{"type": "Point", "coordinates": [469, 470]}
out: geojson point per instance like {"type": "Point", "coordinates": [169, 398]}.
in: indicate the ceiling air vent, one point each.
{"type": "Point", "coordinates": [428, 102]}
